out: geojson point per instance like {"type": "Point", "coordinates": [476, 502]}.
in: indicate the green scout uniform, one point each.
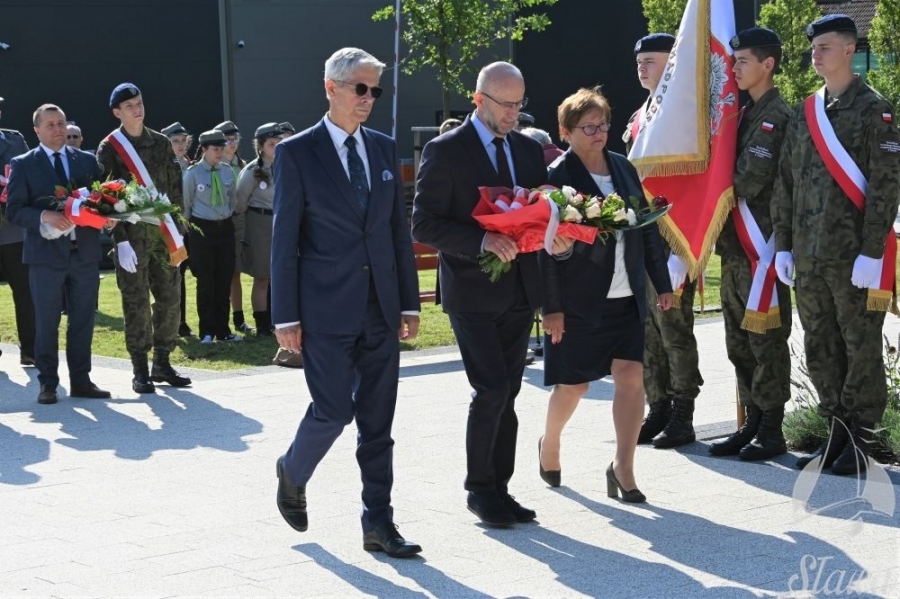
{"type": "Point", "coordinates": [762, 362]}
{"type": "Point", "coordinates": [255, 200]}
{"type": "Point", "coordinates": [671, 361]}
{"type": "Point", "coordinates": [813, 218]}
{"type": "Point", "coordinates": [146, 329]}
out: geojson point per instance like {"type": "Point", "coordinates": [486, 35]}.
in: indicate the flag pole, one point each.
{"type": "Point", "coordinates": [396, 68]}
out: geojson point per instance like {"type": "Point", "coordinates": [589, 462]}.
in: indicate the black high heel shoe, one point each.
{"type": "Point", "coordinates": [613, 487]}
{"type": "Point", "coordinates": [551, 477]}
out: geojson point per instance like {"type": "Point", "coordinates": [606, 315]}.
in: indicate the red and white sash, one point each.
{"type": "Point", "coordinates": [134, 164]}
{"type": "Point", "coordinates": [762, 311]}
{"type": "Point", "coordinates": [852, 182]}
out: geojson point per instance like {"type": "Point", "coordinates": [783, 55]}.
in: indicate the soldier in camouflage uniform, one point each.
{"type": "Point", "coordinates": [671, 373]}
{"type": "Point", "coordinates": [142, 259]}
{"type": "Point", "coordinates": [835, 248]}
{"type": "Point", "coordinates": [758, 350]}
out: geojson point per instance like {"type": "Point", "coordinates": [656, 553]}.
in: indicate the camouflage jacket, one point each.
{"type": "Point", "coordinates": [760, 136]}
{"type": "Point", "coordinates": [810, 213]}
{"type": "Point", "coordinates": [156, 152]}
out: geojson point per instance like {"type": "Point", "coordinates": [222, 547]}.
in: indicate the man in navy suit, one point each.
{"type": "Point", "coordinates": [491, 321]}
{"type": "Point", "coordinates": [69, 264]}
{"type": "Point", "coordinates": [343, 269]}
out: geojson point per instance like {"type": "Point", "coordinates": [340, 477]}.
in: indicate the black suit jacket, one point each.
{"type": "Point", "coordinates": [32, 182]}
{"type": "Point", "coordinates": [578, 285]}
{"type": "Point", "coordinates": [12, 144]}
{"type": "Point", "coordinates": [453, 167]}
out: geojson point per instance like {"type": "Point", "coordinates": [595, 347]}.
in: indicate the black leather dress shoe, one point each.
{"type": "Point", "coordinates": [387, 538]}
{"type": "Point", "coordinates": [291, 500]}
{"type": "Point", "coordinates": [47, 394]}
{"type": "Point", "coordinates": [26, 360]}
{"type": "Point", "coordinates": [490, 509]}
{"type": "Point", "coordinates": [519, 511]}
{"type": "Point", "coordinates": [89, 391]}
{"type": "Point", "coordinates": [141, 383]}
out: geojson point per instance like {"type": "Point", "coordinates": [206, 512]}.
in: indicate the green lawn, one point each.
{"type": "Point", "coordinates": [108, 336]}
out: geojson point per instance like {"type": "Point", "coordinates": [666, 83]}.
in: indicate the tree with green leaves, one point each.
{"type": "Point", "coordinates": [449, 35]}
{"type": "Point", "coordinates": [664, 16]}
{"type": "Point", "coordinates": [885, 44]}
{"type": "Point", "coordinates": [789, 19]}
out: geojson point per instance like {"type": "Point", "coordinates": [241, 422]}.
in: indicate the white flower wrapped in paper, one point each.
{"type": "Point", "coordinates": [593, 209]}
{"type": "Point", "coordinates": [620, 215]}
{"type": "Point", "coordinates": [570, 214]}
{"type": "Point", "coordinates": [569, 192]}
{"type": "Point", "coordinates": [631, 217]}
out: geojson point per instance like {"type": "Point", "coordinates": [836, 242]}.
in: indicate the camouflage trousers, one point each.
{"type": "Point", "coordinates": [762, 362]}
{"type": "Point", "coordinates": [150, 326]}
{"type": "Point", "coordinates": [843, 341]}
{"type": "Point", "coordinates": [670, 349]}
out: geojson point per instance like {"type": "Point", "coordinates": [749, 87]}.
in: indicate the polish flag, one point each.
{"type": "Point", "coordinates": [685, 148]}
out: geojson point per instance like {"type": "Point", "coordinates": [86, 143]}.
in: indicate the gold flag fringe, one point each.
{"type": "Point", "coordinates": [178, 256]}
{"type": "Point", "coordinates": [676, 298]}
{"type": "Point", "coordinates": [881, 301]}
{"type": "Point", "coordinates": [654, 168]}
{"type": "Point", "coordinates": [760, 322]}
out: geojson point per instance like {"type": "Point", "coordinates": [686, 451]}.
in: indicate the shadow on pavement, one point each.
{"type": "Point", "coordinates": [366, 582]}
{"type": "Point", "coordinates": [767, 562]}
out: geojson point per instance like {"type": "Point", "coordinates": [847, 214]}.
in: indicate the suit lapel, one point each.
{"type": "Point", "coordinates": [378, 164]}
{"type": "Point", "coordinates": [328, 156]}
{"type": "Point", "coordinates": [46, 164]}
{"type": "Point", "coordinates": [487, 174]}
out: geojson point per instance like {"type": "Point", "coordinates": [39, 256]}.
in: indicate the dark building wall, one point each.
{"type": "Point", "coordinates": [74, 53]}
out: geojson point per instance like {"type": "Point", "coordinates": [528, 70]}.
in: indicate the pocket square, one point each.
{"type": "Point", "coordinates": [387, 175]}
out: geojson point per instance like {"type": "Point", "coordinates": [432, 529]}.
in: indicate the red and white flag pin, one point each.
{"type": "Point", "coordinates": [767, 126]}
{"type": "Point", "coordinates": [887, 117]}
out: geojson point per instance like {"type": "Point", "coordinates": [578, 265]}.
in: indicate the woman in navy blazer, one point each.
{"type": "Point", "coordinates": [595, 298]}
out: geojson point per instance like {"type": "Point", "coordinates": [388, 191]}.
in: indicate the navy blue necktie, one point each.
{"type": "Point", "coordinates": [357, 173]}
{"type": "Point", "coordinates": [60, 170]}
{"type": "Point", "coordinates": [502, 164]}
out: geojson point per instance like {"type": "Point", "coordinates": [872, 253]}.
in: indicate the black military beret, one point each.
{"type": "Point", "coordinates": [655, 42]}
{"type": "Point", "coordinates": [268, 130]}
{"type": "Point", "coordinates": [755, 37]}
{"type": "Point", "coordinates": [122, 92]}
{"type": "Point", "coordinates": [175, 128]}
{"type": "Point", "coordinates": [829, 23]}
{"type": "Point", "coordinates": [212, 138]}
{"type": "Point", "coordinates": [228, 128]}
{"type": "Point", "coordinates": [525, 119]}
{"type": "Point", "coordinates": [286, 127]}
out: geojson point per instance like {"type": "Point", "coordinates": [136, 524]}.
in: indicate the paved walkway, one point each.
{"type": "Point", "coordinates": [174, 495]}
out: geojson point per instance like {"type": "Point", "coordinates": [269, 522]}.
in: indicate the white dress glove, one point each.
{"type": "Point", "coordinates": [127, 257]}
{"type": "Point", "coordinates": [784, 267]}
{"type": "Point", "coordinates": [866, 272]}
{"type": "Point", "coordinates": [677, 271]}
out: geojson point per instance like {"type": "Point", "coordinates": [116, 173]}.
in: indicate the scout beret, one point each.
{"type": "Point", "coordinates": [122, 92]}
{"type": "Point", "coordinates": [525, 119]}
{"type": "Point", "coordinates": [175, 128]}
{"type": "Point", "coordinates": [286, 127]}
{"type": "Point", "coordinates": [228, 128]}
{"type": "Point", "coordinates": [268, 130]}
{"type": "Point", "coordinates": [829, 23]}
{"type": "Point", "coordinates": [655, 42]}
{"type": "Point", "coordinates": [212, 138]}
{"type": "Point", "coordinates": [755, 37]}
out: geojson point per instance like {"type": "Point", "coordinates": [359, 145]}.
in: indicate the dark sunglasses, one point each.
{"type": "Point", "coordinates": [362, 88]}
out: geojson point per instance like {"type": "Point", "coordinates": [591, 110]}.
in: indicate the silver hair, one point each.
{"type": "Point", "coordinates": [345, 61]}
{"type": "Point", "coordinates": [497, 72]}
{"type": "Point", "coordinates": [538, 135]}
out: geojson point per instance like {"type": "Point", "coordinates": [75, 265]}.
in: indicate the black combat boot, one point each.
{"type": "Point", "coordinates": [163, 371]}
{"type": "Point", "coordinates": [831, 447]}
{"type": "Point", "coordinates": [240, 324]}
{"type": "Point", "coordinates": [736, 441]}
{"type": "Point", "coordinates": [769, 441]}
{"type": "Point", "coordinates": [680, 430]}
{"type": "Point", "coordinates": [141, 382]}
{"type": "Point", "coordinates": [855, 457]}
{"type": "Point", "coordinates": [263, 323]}
{"type": "Point", "coordinates": [655, 421]}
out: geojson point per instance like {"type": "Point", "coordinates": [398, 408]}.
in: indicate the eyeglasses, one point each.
{"type": "Point", "coordinates": [593, 129]}
{"type": "Point", "coordinates": [73, 137]}
{"type": "Point", "coordinates": [362, 88]}
{"type": "Point", "coordinates": [508, 105]}
{"type": "Point", "coordinates": [231, 142]}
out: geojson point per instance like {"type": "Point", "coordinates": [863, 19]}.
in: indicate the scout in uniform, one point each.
{"type": "Point", "coordinates": [833, 208]}
{"type": "Point", "coordinates": [233, 159]}
{"type": "Point", "coordinates": [671, 371]}
{"type": "Point", "coordinates": [209, 206]}
{"type": "Point", "coordinates": [757, 308]}
{"type": "Point", "coordinates": [143, 256]}
{"type": "Point", "coordinates": [181, 142]}
{"type": "Point", "coordinates": [287, 129]}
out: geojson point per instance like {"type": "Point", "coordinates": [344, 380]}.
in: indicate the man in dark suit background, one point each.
{"type": "Point", "coordinates": [343, 270]}
{"type": "Point", "coordinates": [12, 144]}
{"type": "Point", "coordinates": [491, 321]}
{"type": "Point", "coordinates": [69, 264]}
